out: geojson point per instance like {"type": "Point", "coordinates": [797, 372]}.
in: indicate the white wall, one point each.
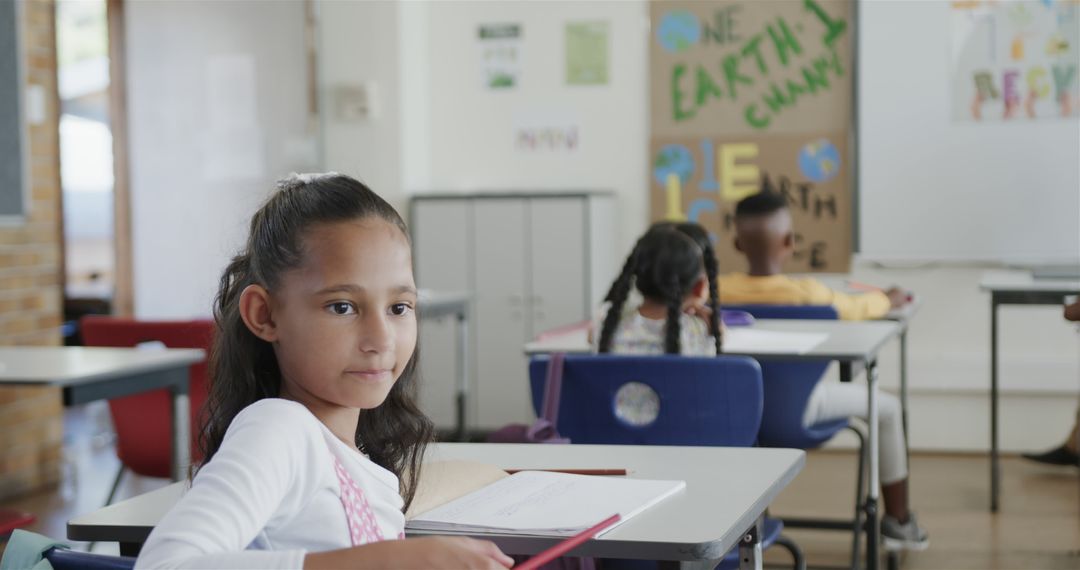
{"type": "Point", "coordinates": [359, 45]}
{"type": "Point", "coordinates": [195, 181]}
{"type": "Point", "coordinates": [471, 130]}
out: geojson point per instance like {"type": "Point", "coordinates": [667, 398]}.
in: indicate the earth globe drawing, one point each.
{"type": "Point", "coordinates": [678, 30]}
{"type": "Point", "coordinates": [673, 159]}
{"type": "Point", "coordinates": [819, 160]}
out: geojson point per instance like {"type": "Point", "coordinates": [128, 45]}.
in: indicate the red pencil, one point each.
{"type": "Point", "coordinates": [567, 545]}
{"type": "Point", "coordinates": [620, 472]}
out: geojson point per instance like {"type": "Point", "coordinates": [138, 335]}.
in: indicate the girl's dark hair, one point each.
{"type": "Point", "coordinates": [243, 368]}
{"type": "Point", "coordinates": [663, 265]}
{"type": "Point", "coordinates": [712, 269]}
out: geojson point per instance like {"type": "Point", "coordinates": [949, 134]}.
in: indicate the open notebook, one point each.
{"type": "Point", "coordinates": [530, 503]}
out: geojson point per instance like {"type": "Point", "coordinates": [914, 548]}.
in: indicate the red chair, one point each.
{"type": "Point", "coordinates": [11, 519]}
{"type": "Point", "coordinates": [143, 422]}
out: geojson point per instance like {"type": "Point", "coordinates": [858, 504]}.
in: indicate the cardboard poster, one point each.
{"type": "Point", "coordinates": [1015, 60]}
{"type": "Point", "coordinates": [739, 89]}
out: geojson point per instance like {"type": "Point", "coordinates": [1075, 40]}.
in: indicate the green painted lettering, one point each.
{"type": "Point", "coordinates": [784, 41]}
{"type": "Point", "coordinates": [732, 75]}
{"type": "Point", "coordinates": [834, 28]}
{"type": "Point", "coordinates": [775, 99]}
{"type": "Point", "coordinates": [677, 111]}
{"type": "Point", "coordinates": [706, 87]}
{"type": "Point", "coordinates": [984, 86]}
{"type": "Point", "coordinates": [754, 119]}
{"type": "Point", "coordinates": [753, 47]}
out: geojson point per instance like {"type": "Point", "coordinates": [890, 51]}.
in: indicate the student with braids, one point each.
{"type": "Point", "coordinates": [313, 438]}
{"type": "Point", "coordinates": [676, 313]}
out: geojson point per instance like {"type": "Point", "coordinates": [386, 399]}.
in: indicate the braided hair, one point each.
{"type": "Point", "coordinates": [664, 266]}
{"type": "Point", "coordinates": [712, 269]}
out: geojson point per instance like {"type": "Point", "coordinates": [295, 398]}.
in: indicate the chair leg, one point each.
{"type": "Point", "coordinates": [798, 560]}
{"type": "Point", "coordinates": [860, 483]}
{"type": "Point", "coordinates": [115, 486]}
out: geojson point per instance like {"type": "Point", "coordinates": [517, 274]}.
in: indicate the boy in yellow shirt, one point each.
{"type": "Point", "coordinates": [763, 233]}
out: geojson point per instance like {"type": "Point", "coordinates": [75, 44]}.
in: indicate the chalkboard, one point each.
{"type": "Point", "coordinates": [738, 89]}
{"type": "Point", "coordinates": [12, 184]}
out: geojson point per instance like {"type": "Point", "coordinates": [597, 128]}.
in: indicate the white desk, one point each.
{"type": "Point", "coordinates": [849, 343]}
{"type": "Point", "coordinates": [727, 491]}
{"type": "Point", "coordinates": [1013, 288]}
{"type": "Point", "coordinates": [435, 305]}
{"type": "Point", "coordinates": [89, 374]}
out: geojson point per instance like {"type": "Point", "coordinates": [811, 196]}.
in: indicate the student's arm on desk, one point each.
{"type": "Point", "coordinates": [850, 307]}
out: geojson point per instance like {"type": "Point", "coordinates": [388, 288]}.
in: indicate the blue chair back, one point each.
{"type": "Point", "coordinates": [63, 559]}
{"type": "Point", "coordinates": [787, 385]}
{"type": "Point", "coordinates": [702, 400]}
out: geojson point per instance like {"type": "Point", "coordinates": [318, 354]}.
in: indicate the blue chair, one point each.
{"type": "Point", "coordinates": [63, 559]}
{"type": "Point", "coordinates": [661, 400]}
{"type": "Point", "coordinates": [787, 388]}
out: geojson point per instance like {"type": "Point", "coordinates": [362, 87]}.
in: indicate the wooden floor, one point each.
{"type": "Point", "coordinates": [1038, 526]}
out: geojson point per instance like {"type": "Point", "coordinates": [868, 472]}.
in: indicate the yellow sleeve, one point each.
{"type": "Point", "coordinates": [858, 307]}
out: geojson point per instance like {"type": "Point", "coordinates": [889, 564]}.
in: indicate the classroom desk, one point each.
{"type": "Point", "coordinates": [849, 343]}
{"type": "Point", "coordinates": [693, 529]}
{"type": "Point", "coordinates": [435, 305]}
{"type": "Point", "coordinates": [89, 374]}
{"type": "Point", "coordinates": [1013, 288]}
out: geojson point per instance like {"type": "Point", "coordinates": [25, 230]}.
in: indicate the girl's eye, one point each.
{"type": "Point", "coordinates": [341, 308]}
{"type": "Point", "coordinates": [400, 309]}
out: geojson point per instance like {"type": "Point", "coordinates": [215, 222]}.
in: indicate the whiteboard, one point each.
{"type": "Point", "coordinates": [932, 188]}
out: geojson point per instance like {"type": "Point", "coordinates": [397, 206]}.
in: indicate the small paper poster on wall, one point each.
{"type": "Point", "coordinates": [1015, 60]}
{"type": "Point", "coordinates": [587, 53]}
{"type": "Point", "coordinates": [547, 132]}
{"type": "Point", "coordinates": [500, 55]}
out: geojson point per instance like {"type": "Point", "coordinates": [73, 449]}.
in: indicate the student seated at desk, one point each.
{"type": "Point", "coordinates": [313, 438]}
{"type": "Point", "coordinates": [676, 312]}
{"type": "Point", "coordinates": [763, 233]}
{"type": "Point", "coordinates": [1067, 453]}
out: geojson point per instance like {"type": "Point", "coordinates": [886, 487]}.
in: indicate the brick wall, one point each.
{"type": "Point", "coordinates": [30, 270]}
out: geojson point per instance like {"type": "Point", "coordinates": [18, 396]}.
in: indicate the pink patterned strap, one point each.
{"type": "Point", "coordinates": [363, 528]}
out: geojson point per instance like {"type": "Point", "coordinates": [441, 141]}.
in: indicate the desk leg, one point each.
{"type": "Point", "coordinates": [130, 548]}
{"type": "Point", "coordinates": [750, 548]}
{"type": "Point", "coordinates": [181, 428]}
{"type": "Point", "coordinates": [995, 468]}
{"type": "Point", "coordinates": [903, 387]}
{"type": "Point", "coordinates": [873, 524]}
{"type": "Point", "coordinates": [462, 380]}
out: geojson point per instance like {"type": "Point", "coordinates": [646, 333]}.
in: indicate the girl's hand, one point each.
{"type": "Point", "coordinates": [449, 552]}
{"type": "Point", "coordinates": [698, 308]}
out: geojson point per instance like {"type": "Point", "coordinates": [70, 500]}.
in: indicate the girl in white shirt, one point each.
{"type": "Point", "coordinates": [311, 418]}
{"type": "Point", "coordinates": [678, 312]}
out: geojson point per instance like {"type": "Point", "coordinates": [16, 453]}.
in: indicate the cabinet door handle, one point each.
{"type": "Point", "coordinates": [537, 300]}
{"type": "Point", "coordinates": [515, 300]}
{"type": "Point", "coordinates": [515, 315]}
{"type": "Point", "coordinates": [540, 315]}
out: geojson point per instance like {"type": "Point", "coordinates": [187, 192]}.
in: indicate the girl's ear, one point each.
{"type": "Point", "coordinates": [255, 311]}
{"type": "Point", "coordinates": [700, 289]}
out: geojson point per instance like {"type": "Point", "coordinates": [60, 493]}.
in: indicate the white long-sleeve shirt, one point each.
{"type": "Point", "coordinates": [269, 495]}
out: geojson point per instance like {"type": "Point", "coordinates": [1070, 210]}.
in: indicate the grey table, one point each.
{"type": "Point", "coordinates": [1013, 288]}
{"type": "Point", "coordinates": [849, 343]}
{"type": "Point", "coordinates": [693, 529]}
{"type": "Point", "coordinates": [89, 374]}
{"type": "Point", "coordinates": [436, 305]}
